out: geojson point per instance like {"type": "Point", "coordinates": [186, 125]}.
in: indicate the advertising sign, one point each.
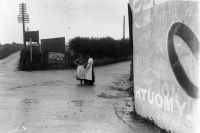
{"type": "Point", "coordinates": [166, 63]}
{"type": "Point", "coordinates": [55, 58]}
{"type": "Point", "coordinates": [34, 35]}
{"type": "Point", "coordinates": [53, 44]}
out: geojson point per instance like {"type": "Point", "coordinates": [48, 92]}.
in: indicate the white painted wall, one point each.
{"type": "Point", "coordinates": [158, 94]}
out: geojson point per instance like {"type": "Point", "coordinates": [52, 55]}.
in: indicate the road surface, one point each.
{"type": "Point", "coordinates": [55, 102]}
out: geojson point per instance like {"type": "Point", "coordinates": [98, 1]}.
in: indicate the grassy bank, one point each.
{"type": "Point", "coordinates": [8, 49]}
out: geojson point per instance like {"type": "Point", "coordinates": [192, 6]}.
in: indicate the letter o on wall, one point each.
{"type": "Point", "coordinates": [159, 100]}
{"type": "Point", "coordinates": [192, 42]}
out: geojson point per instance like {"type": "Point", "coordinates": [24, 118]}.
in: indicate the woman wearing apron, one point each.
{"type": "Point", "coordinates": [89, 77]}
{"type": "Point", "coordinates": [80, 73]}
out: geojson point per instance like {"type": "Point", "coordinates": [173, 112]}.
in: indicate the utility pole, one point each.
{"type": "Point", "coordinates": [124, 27]}
{"type": "Point", "coordinates": [23, 18]}
{"type": "Point", "coordinates": [130, 20]}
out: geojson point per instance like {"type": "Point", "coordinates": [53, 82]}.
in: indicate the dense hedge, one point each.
{"type": "Point", "coordinates": [25, 62]}
{"type": "Point", "coordinates": [103, 50]}
{"type": "Point", "coordinates": [8, 49]}
{"type": "Point", "coordinates": [101, 47]}
{"type": "Point", "coordinates": [39, 60]}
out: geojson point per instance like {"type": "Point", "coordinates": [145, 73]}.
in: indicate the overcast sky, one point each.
{"type": "Point", "coordinates": [64, 18]}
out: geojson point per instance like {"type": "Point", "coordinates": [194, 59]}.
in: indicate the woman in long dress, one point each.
{"type": "Point", "coordinates": [89, 77]}
{"type": "Point", "coordinates": [80, 73]}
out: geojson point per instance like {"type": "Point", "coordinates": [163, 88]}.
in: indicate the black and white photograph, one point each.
{"type": "Point", "coordinates": [99, 66]}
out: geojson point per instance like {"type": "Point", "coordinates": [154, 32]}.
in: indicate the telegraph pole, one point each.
{"type": "Point", "coordinates": [23, 18]}
{"type": "Point", "coordinates": [124, 27]}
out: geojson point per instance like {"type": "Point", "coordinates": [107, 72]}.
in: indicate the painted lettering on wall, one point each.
{"type": "Point", "coordinates": [142, 5]}
{"type": "Point", "coordinates": [165, 102]}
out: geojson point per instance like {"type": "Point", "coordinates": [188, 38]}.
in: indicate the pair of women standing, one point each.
{"type": "Point", "coordinates": [85, 70]}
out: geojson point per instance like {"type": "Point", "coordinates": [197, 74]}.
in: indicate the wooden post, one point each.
{"type": "Point", "coordinates": [23, 18]}
{"type": "Point", "coordinates": [124, 27]}
{"type": "Point", "coordinates": [31, 50]}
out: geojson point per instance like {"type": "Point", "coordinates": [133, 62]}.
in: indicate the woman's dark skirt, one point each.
{"type": "Point", "coordinates": [91, 82]}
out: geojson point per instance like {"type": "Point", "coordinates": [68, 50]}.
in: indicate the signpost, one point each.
{"type": "Point", "coordinates": [23, 18]}
{"type": "Point", "coordinates": [31, 49]}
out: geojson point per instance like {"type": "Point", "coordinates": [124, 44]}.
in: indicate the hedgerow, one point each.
{"type": "Point", "coordinates": [101, 47]}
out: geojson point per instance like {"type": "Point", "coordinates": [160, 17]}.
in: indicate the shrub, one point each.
{"type": "Point", "coordinates": [101, 47]}
{"type": "Point", "coordinates": [25, 62]}
{"type": "Point", "coordinates": [8, 49]}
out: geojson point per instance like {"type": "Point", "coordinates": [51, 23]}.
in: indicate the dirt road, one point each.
{"type": "Point", "coordinates": [55, 102]}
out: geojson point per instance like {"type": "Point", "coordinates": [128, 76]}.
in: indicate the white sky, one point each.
{"type": "Point", "coordinates": [64, 18]}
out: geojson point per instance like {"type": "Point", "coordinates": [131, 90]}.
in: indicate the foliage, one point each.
{"type": "Point", "coordinates": [101, 47]}
{"type": "Point", "coordinates": [8, 49]}
{"type": "Point", "coordinates": [39, 60]}
{"type": "Point", "coordinates": [25, 59]}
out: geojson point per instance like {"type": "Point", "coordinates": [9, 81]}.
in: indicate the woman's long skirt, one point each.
{"type": "Point", "coordinates": [91, 79]}
{"type": "Point", "coordinates": [80, 74]}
